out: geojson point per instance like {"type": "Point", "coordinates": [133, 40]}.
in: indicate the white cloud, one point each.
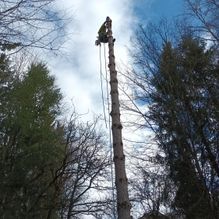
{"type": "Point", "coordinates": [78, 73]}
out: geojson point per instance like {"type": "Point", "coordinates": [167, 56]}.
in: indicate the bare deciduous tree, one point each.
{"type": "Point", "coordinates": [84, 171]}
{"type": "Point", "coordinates": [206, 12]}
{"type": "Point", "coordinates": [30, 23]}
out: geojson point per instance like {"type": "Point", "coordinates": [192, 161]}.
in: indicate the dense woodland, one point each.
{"type": "Point", "coordinates": [53, 165]}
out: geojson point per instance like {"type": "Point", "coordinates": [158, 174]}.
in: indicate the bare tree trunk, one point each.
{"type": "Point", "coordinates": [123, 203]}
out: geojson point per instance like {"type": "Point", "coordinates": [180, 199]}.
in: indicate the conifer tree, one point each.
{"type": "Point", "coordinates": [30, 146]}
{"type": "Point", "coordinates": [186, 126]}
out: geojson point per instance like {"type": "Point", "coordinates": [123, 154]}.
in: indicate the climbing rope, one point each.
{"type": "Point", "coordinates": [109, 120]}
{"type": "Point", "coordinates": [101, 85]}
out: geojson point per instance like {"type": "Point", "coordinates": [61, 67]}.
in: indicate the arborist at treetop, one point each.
{"type": "Point", "coordinates": [102, 34]}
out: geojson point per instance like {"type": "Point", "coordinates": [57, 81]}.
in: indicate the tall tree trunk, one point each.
{"type": "Point", "coordinates": [123, 203]}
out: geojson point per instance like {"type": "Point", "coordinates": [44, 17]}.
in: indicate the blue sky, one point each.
{"type": "Point", "coordinates": [153, 10]}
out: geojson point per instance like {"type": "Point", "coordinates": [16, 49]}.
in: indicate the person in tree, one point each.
{"type": "Point", "coordinates": [102, 34]}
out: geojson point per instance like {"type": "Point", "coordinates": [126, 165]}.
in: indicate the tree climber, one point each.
{"type": "Point", "coordinates": [102, 34]}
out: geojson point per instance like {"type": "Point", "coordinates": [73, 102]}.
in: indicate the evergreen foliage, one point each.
{"type": "Point", "coordinates": [30, 146]}
{"type": "Point", "coordinates": [183, 110]}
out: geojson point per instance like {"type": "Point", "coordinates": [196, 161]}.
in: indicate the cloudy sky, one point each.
{"type": "Point", "coordinates": [77, 69]}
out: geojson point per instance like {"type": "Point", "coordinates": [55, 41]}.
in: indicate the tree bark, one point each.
{"type": "Point", "coordinates": [123, 203]}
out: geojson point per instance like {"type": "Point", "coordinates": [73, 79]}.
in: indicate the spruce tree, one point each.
{"type": "Point", "coordinates": [31, 147]}
{"type": "Point", "coordinates": [186, 125]}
